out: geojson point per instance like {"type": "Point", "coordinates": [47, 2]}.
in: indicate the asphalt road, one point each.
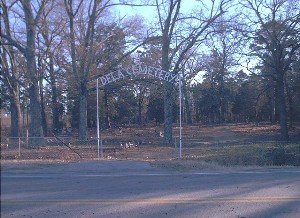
{"type": "Point", "coordinates": [135, 189]}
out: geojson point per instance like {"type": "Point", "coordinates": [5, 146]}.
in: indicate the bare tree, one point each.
{"type": "Point", "coordinates": [87, 15]}
{"type": "Point", "coordinates": [81, 62]}
{"type": "Point", "coordinates": [275, 31]}
{"type": "Point", "coordinates": [180, 33]}
{"type": "Point", "coordinates": [51, 28]}
{"type": "Point", "coordinates": [31, 18]}
{"type": "Point", "coordinates": [11, 76]}
{"type": "Point", "coordinates": [223, 61]}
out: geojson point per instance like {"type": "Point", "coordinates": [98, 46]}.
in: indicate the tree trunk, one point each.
{"type": "Point", "coordinates": [83, 112]}
{"type": "Point", "coordinates": [14, 93]}
{"type": "Point", "coordinates": [291, 111]}
{"type": "Point", "coordinates": [55, 112]}
{"type": "Point", "coordinates": [11, 80]}
{"type": "Point", "coordinates": [15, 120]}
{"type": "Point", "coordinates": [273, 110]}
{"type": "Point", "coordinates": [35, 106]}
{"type": "Point", "coordinates": [43, 113]}
{"type": "Point", "coordinates": [140, 105]}
{"type": "Point", "coordinates": [35, 129]}
{"type": "Point", "coordinates": [168, 100]}
{"type": "Point", "coordinates": [168, 115]}
{"type": "Point", "coordinates": [85, 60]}
{"type": "Point", "coordinates": [222, 110]}
{"type": "Point", "coordinates": [55, 105]}
{"type": "Point", "coordinates": [107, 117]}
{"type": "Point", "coordinates": [35, 126]}
{"type": "Point", "coordinates": [290, 104]}
{"type": "Point", "coordinates": [221, 93]}
{"type": "Point", "coordinates": [282, 108]}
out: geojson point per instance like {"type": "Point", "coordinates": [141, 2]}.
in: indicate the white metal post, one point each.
{"type": "Point", "coordinates": [19, 146]}
{"type": "Point", "coordinates": [180, 118]}
{"type": "Point", "coordinates": [27, 135]}
{"type": "Point", "coordinates": [98, 126]}
{"type": "Point", "coordinates": [101, 146]}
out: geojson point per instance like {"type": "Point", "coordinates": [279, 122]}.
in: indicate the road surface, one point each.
{"type": "Point", "coordinates": [136, 189]}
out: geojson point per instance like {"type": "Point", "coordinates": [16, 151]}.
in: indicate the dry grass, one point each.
{"type": "Point", "coordinates": [204, 147]}
{"type": "Point", "coordinates": [260, 154]}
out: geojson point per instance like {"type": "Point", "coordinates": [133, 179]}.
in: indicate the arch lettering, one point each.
{"type": "Point", "coordinates": [138, 71]}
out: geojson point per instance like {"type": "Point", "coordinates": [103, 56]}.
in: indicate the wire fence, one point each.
{"type": "Point", "coordinates": [149, 148]}
{"type": "Point", "coordinates": [69, 148]}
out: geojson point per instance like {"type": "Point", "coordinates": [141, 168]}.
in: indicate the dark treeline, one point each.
{"type": "Point", "coordinates": [240, 61]}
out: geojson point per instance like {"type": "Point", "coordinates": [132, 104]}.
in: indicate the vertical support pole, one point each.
{"type": "Point", "coordinates": [101, 146]}
{"type": "Point", "coordinates": [19, 146]}
{"type": "Point", "coordinates": [27, 135]}
{"type": "Point", "coordinates": [27, 123]}
{"type": "Point", "coordinates": [180, 116]}
{"type": "Point", "coordinates": [98, 126]}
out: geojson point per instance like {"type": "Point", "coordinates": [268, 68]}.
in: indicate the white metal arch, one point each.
{"type": "Point", "coordinates": [145, 72]}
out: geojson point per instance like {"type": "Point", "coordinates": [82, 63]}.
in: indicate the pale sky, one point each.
{"type": "Point", "coordinates": [150, 12]}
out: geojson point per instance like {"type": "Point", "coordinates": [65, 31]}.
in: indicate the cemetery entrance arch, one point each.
{"type": "Point", "coordinates": [140, 71]}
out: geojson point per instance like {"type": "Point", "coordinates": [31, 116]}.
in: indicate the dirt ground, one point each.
{"type": "Point", "coordinates": [243, 144]}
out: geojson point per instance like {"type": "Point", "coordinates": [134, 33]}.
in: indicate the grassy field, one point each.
{"type": "Point", "coordinates": [225, 145]}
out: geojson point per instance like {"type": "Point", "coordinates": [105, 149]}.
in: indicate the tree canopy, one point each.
{"type": "Point", "coordinates": [240, 61]}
